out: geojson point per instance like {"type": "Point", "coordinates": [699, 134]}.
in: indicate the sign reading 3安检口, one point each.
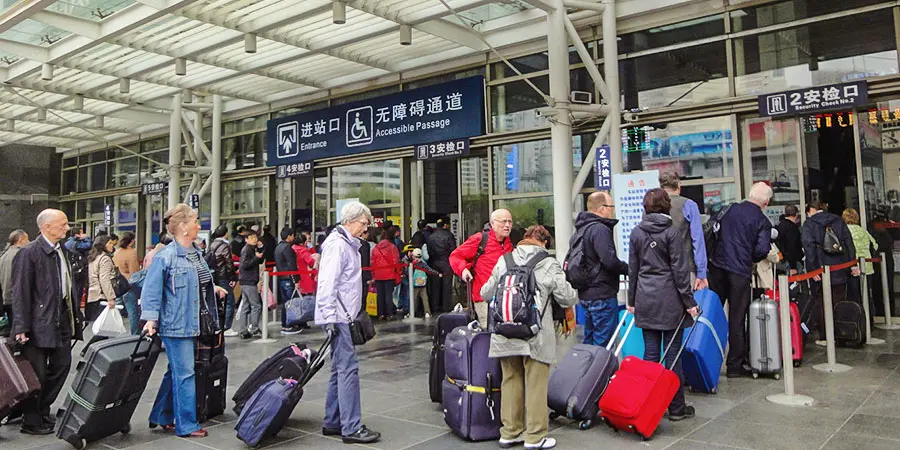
{"type": "Point", "coordinates": [442, 112]}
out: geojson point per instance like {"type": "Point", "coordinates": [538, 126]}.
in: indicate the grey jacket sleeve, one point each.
{"type": "Point", "coordinates": [562, 291]}
{"type": "Point", "coordinates": [487, 289]}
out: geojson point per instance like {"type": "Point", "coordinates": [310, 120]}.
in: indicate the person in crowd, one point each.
{"type": "Point", "coordinates": [176, 280]}
{"type": "Point", "coordinates": [307, 263]}
{"type": "Point", "coordinates": [818, 223]}
{"type": "Point", "coordinates": [526, 363]}
{"type": "Point", "coordinates": [17, 240]}
{"type": "Point", "coordinates": [441, 244]}
{"type": "Point", "coordinates": [225, 275]}
{"type": "Point", "coordinates": [421, 272]}
{"type": "Point", "coordinates": [240, 237]}
{"type": "Point", "coordinates": [269, 243]}
{"type": "Point", "coordinates": [164, 240]}
{"type": "Point", "coordinates": [338, 299]}
{"type": "Point", "coordinates": [600, 297]}
{"type": "Point", "coordinates": [202, 247]}
{"type": "Point", "coordinates": [126, 259]}
{"type": "Point", "coordinates": [764, 276]}
{"type": "Point", "coordinates": [744, 238]}
{"type": "Point", "coordinates": [101, 271]}
{"type": "Point", "coordinates": [46, 316]}
{"type": "Point", "coordinates": [686, 218]}
{"type": "Point", "coordinates": [659, 294]}
{"type": "Point", "coordinates": [248, 277]}
{"type": "Point", "coordinates": [476, 269]}
{"type": "Point", "coordinates": [78, 246]}
{"type": "Point", "coordinates": [516, 235]}
{"type": "Point", "coordinates": [114, 238]}
{"type": "Point", "coordinates": [789, 238]}
{"type": "Point", "coordinates": [863, 243]}
{"type": "Point", "coordinates": [385, 272]}
{"type": "Point", "coordinates": [420, 237]}
{"type": "Point", "coordinates": [320, 239]}
{"type": "Point", "coordinates": [367, 245]}
{"type": "Point", "coordinates": [404, 294]}
{"type": "Point", "coordinates": [286, 261]}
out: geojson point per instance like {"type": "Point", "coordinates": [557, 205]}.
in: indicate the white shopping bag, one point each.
{"type": "Point", "coordinates": [109, 323]}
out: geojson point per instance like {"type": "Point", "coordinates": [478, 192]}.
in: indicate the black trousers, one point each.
{"type": "Point", "coordinates": [385, 289]}
{"type": "Point", "coordinates": [735, 290]}
{"type": "Point", "coordinates": [654, 341]}
{"type": "Point", "coordinates": [51, 365]}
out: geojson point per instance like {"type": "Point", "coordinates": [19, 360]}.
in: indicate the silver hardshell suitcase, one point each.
{"type": "Point", "coordinates": [765, 338]}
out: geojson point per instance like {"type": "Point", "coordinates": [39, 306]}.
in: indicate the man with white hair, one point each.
{"type": "Point", "coordinates": [45, 316]}
{"type": "Point", "coordinates": [744, 238]}
{"type": "Point", "coordinates": [338, 301]}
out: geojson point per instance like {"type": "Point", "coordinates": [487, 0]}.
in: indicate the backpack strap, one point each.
{"type": "Point", "coordinates": [481, 247]}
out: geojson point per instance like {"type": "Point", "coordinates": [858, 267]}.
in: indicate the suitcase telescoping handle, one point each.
{"type": "Point", "coordinates": [319, 360]}
{"type": "Point", "coordinates": [683, 342]}
{"type": "Point", "coordinates": [144, 338]}
{"type": "Point", "coordinates": [616, 333]}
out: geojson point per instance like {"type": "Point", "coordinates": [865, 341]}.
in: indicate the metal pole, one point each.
{"type": "Point", "coordinates": [148, 222]}
{"type": "Point", "coordinates": [864, 287]}
{"type": "Point", "coordinates": [789, 397]}
{"type": "Point", "coordinates": [611, 74]}
{"type": "Point", "coordinates": [215, 200]}
{"type": "Point", "coordinates": [560, 127]}
{"type": "Point", "coordinates": [831, 366]}
{"type": "Point", "coordinates": [887, 325]}
{"type": "Point", "coordinates": [412, 291]}
{"type": "Point", "coordinates": [175, 151]}
{"type": "Point", "coordinates": [264, 318]}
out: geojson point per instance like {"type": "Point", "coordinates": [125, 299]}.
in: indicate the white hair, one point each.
{"type": "Point", "coordinates": [760, 193]}
{"type": "Point", "coordinates": [46, 216]}
{"type": "Point", "coordinates": [354, 211]}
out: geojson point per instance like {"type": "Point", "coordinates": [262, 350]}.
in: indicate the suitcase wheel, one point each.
{"type": "Point", "coordinates": [755, 375]}
{"type": "Point", "coordinates": [126, 429]}
{"type": "Point", "coordinates": [585, 424]}
{"type": "Point", "coordinates": [777, 376]}
{"type": "Point", "coordinates": [77, 442]}
{"type": "Point", "coordinates": [714, 391]}
{"type": "Point", "coordinates": [797, 363]}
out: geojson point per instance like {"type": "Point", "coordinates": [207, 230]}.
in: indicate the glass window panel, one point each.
{"type": "Point", "coordinates": [124, 172]}
{"type": "Point", "coordinates": [300, 109]}
{"type": "Point", "coordinates": [533, 63]}
{"type": "Point", "coordinates": [81, 209]}
{"type": "Point", "coordinates": [529, 211]}
{"type": "Point", "coordinates": [244, 152]}
{"type": "Point", "coordinates": [701, 148]}
{"type": "Point", "coordinates": [83, 178]}
{"type": "Point", "coordinates": [70, 162]}
{"type": "Point", "coordinates": [816, 54]}
{"type": "Point", "coordinates": [116, 152]}
{"type": "Point", "coordinates": [527, 167]}
{"type": "Point", "coordinates": [366, 95]}
{"type": "Point", "coordinates": [788, 11]}
{"type": "Point", "coordinates": [773, 147]}
{"type": "Point", "coordinates": [94, 209]}
{"type": "Point", "coordinates": [513, 105]}
{"type": "Point", "coordinates": [409, 85]}
{"type": "Point", "coordinates": [69, 182]}
{"type": "Point", "coordinates": [474, 185]}
{"type": "Point", "coordinates": [879, 143]}
{"type": "Point", "coordinates": [244, 125]}
{"type": "Point", "coordinates": [155, 144]}
{"type": "Point", "coordinates": [126, 207]}
{"type": "Point", "coordinates": [691, 30]}
{"type": "Point", "coordinates": [375, 183]}
{"type": "Point", "coordinates": [148, 168]}
{"type": "Point", "coordinates": [322, 218]}
{"type": "Point", "coordinates": [677, 77]}
{"type": "Point", "coordinates": [244, 196]}
{"type": "Point", "coordinates": [711, 198]}
{"type": "Point", "coordinates": [69, 209]}
{"type": "Point", "coordinates": [97, 177]}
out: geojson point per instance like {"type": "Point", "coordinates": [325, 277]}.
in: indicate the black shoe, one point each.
{"type": "Point", "coordinates": [686, 413]}
{"type": "Point", "coordinates": [42, 430]}
{"type": "Point", "coordinates": [246, 335]}
{"type": "Point", "coordinates": [331, 431]}
{"type": "Point", "coordinates": [739, 373]}
{"type": "Point", "coordinates": [49, 420]}
{"type": "Point", "coordinates": [362, 436]}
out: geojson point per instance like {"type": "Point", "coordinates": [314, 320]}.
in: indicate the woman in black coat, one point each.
{"type": "Point", "coordinates": [660, 289]}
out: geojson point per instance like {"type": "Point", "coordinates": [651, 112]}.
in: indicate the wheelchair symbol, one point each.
{"type": "Point", "coordinates": [359, 126]}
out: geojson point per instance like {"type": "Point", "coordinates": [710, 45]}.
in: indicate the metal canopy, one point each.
{"type": "Point", "coordinates": [123, 60]}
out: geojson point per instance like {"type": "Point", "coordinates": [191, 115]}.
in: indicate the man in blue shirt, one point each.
{"type": "Point", "coordinates": [686, 216]}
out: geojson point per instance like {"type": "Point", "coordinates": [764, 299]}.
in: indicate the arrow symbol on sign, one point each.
{"type": "Point", "coordinates": [286, 142]}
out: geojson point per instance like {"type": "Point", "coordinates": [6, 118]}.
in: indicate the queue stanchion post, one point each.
{"type": "Point", "coordinates": [885, 295]}
{"type": "Point", "coordinates": [832, 365]}
{"type": "Point", "coordinates": [864, 290]}
{"type": "Point", "coordinates": [264, 317]}
{"type": "Point", "coordinates": [789, 397]}
{"type": "Point", "coordinates": [412, 289]}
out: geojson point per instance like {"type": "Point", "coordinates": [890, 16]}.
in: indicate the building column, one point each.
{"type": "Point", "coordinates": [175, 152]}
{"type": "Point", "coordinates": [215, 200]}
{"type": "Point", "coordinates": [611, 75]}
{"type": "Point", "coordinates": [560, 127]}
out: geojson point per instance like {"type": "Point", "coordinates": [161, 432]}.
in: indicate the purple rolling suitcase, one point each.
{"type": "Point", "coordinates": [445, 324]}
{"type": "Point", "coordinates": [471, 389]}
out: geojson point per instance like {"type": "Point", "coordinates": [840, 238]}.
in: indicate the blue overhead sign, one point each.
{"type": "Point", "coordinates": [602, 169]}
{"type": "Point", "coordinates": [441, 112]}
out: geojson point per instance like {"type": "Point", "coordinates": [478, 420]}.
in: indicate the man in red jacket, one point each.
{"type": "Point", "coordinates": [475, 259]}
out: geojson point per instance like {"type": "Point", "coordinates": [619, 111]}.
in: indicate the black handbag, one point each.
{"type": "Point", "coordinates": [207, 322]}
{"type": "Point", "coordinates": [121, 286]}
{"type": "Point", "coordinates": [362, 329]}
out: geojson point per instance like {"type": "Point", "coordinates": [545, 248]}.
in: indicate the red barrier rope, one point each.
{"type": "Point", "coordinates": [806, 276]}
{"type": "Point", "coordinates": [845, 265]}
{"type": "Point", "coordinates": [873, 260]}
{"type": "Point", "coordinates": [307, 271]}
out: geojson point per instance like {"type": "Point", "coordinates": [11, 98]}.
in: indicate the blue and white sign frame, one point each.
{"type": "Point", "coordinates": [602, 172]}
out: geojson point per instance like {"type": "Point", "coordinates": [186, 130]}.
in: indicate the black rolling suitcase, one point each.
{"type": "Point", "coordinates": [288, 362]}
{"type": "Point", "coordinates": [210, 376]}
{"type": "Point", "coordinates": [445, 324]}
{"type": "Point", "coordinates": [108, 385]}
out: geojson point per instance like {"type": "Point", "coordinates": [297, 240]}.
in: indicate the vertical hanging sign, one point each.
{"type": "Point", "coordinates": [602, 172]}
{"type": "Point", "coordinates": [107, 215]}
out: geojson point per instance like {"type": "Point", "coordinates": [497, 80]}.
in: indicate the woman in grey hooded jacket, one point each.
{"type": "Point", "coordinates": [526, 363]}
{"type": "Point", "coordinates": [659, 292]}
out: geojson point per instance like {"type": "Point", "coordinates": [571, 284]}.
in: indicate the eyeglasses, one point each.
{"type": "Point", "coordinates": [504, 222]}
{"type": "Point", "coordinates": [364, 222]}
{"type": "Point", "coordinates": [609, 206]}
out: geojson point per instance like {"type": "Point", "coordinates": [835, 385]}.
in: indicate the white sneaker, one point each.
{"type": "Point", "coordinates": [427, 316]}
{"type": "Point", "coordinates": [822, 343]}
{"type": "Point", "coordinates": [231, 333]}
{"type": "Point", "coordinates": [547, 442]}
{"type": "Point", "coordinates": [510, 443]}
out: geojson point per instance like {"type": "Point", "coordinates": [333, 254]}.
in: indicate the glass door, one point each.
{"type": "Point", "coordinates": [772, 152]}
{"type": "Point", "coordinates": [829, 160]}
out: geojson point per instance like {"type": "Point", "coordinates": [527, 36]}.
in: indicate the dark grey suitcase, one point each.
{"type": "Point", "coordinates": [211, 378]}
{"type": "Point", "coordinates": [471, 389]}
{"type": "Point", "coordinates": [445, 324]}
{"type": "Point", "coordinates": [108, 385]}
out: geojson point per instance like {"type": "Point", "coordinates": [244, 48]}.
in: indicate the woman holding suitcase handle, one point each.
{"type": "Point", "coordinates": [175, 285]}
{"type": "Point", "coordinates": [660, 288]}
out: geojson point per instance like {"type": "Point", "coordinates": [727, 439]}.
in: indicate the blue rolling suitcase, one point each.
{"type": "Point", "coordinates": [704, 351]}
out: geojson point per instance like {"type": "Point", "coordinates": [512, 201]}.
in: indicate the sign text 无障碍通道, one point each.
{"type": "Point", "coordinates": [453, 148]}
{"type": "Point", "coordinates": [814, 99]}
{"type": "Point", "coordinates": [294, 170]}
{"type": "Point", "coordinates": [441, 112]}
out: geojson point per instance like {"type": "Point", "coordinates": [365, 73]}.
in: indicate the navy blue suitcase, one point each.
{"type": "Point", "coordinates": [471, 389]}
{"type": "Point", "coordinates": [445, 324]}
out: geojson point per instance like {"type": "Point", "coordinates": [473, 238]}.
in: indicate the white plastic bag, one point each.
{"type": "Point", "coordinates": [109, 323]}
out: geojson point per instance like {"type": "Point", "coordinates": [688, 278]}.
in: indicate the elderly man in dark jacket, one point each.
{"type": "Point", "coordinates": [745, 237]}
{"type": "Point", "coordinates": [45, 316]}
{"type": "Point", "coordinates": [441, 244]}
{"type": "Point", "coordinates": [819, 220]}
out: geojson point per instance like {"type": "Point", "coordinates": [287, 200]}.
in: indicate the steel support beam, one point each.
{"type": "Point", "coordinates": [588, 164]}
{"type": "Point", "coordinates": [175, 151]}
{"type": "Point", "coordinates": [216, 163]}
{"type": "Point", "coordinates": [560, 127]}
{"type": "Point", "coordinates": [611, 68]}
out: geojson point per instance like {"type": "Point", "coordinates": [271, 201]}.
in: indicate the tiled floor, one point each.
{"type": "Point", "coordinates": [856, 410]}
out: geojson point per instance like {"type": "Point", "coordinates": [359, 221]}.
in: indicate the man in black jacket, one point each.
{"type": "Point", "coordinates": [251, 258]}
{"type": "Point", "coordinates": [286, 261]}
{"type": "Point", "coordinates": [745, 237]}
{"type": "Point", "coordinates": [45, 316]}
{"type": "Point", "coordinates": [789, 238]}
{"type": "Point", "coordinates": [599, 298]}
{"type": "Point", "coordinates": [441, 244]}
{"type": "Point", "coordinates": [224, 274]}
{"type": "Point", "coordinates": [269, 243]}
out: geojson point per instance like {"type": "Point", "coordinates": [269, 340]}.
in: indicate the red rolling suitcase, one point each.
{"type": "Point", "coordinates": [797, 338]}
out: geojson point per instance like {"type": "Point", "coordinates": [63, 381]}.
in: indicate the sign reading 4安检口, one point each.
{"type": "Point", "coordinates": [442, 112]}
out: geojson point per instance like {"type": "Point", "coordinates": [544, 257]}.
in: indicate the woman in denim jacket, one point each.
{"type": "Point", "coordinates": [176, 283]}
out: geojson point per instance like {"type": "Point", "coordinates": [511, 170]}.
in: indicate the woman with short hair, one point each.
{"type": "Point", "coordinates": [101, 271]}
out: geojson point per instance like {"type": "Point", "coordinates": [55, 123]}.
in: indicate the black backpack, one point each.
{"type": "Point", "coordinates": [580, 272]}
{"type": "Point", "coordinates": [79, 265]}
{"type": "Point", "coordinates": [831, 245]}
{"type": "Point", "coordinates": [711, 231]}
{"type": "Point", "coordinates": [513, 311]}
{"type": "Point", "coordinates": [210, 257]}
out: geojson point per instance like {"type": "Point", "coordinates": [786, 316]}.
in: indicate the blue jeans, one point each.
{"type": "Point", "coordinates": [404, 295]}
{"type": "Point", "coordinates": [654, 341]}
{"type": "Point", "coordinates": [285, 291]}
{"type": "Point", "coordinates": [130, 299]}
{"type": "Point", "coordinates": [342, 404]}
{"type": "Point", "coordinates": [176, 401]}
{"type": "Point", "coordinates": [229, 304]}
{"type": "Point", "coordinates": [599, 320]}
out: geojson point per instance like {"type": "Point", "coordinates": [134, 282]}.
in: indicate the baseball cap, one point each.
{"type": "Point", "coordinates": [417, 253]}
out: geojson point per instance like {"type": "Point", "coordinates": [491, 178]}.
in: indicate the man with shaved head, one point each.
{"type": "Point", "coordinates": [45, 316]}
{"type": "Point", "coordinates": [475, 259]}
{"type": "Point", "coordinates": [598, 284]}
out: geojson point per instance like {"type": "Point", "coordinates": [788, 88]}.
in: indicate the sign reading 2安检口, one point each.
{"type": "Point", "coordinates": [814, 99]}
{"type": "Point", "coordinates": [442, 112]}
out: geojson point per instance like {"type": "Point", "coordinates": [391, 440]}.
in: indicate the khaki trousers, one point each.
{"type": "Point", "coordinates": [523, 403]}
{"type": "Point", "coordinates": [481, 309]}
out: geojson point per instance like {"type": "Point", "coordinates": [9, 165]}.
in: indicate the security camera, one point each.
{"type": "Point", "coordinates": [631, 117]}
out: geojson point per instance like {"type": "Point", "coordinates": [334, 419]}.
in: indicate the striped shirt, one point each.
{"type": "Point", "coordinates": [203, 273]}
